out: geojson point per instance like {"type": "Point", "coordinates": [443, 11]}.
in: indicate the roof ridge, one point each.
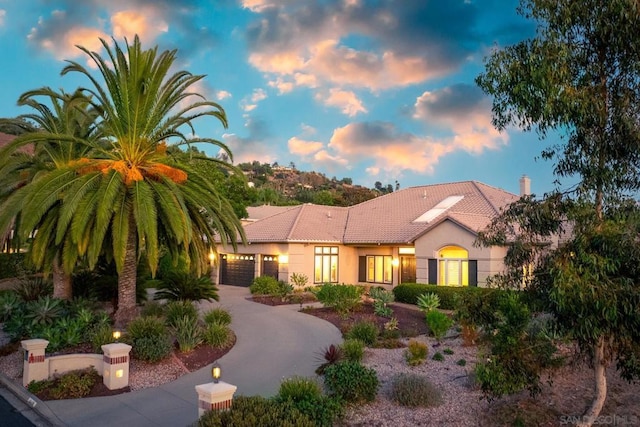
{"type": "Point", "coordinates": [295, 222]}
{"type": "Point", "coordinates": [484, 196]}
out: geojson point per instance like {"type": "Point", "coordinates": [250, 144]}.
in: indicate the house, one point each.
{"type": "Point", "coordinates": [420, 234]}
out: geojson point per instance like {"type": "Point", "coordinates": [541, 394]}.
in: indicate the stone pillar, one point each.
{"type": "Point", "coordinates": [35, 365]}
{"type": "Point", "coordinates": [214, 397]}
{"type": "Point", "coordinates": [115, 369]}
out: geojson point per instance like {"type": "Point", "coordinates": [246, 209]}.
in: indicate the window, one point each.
{"type": "Point", "coordinates": [326, 264]}
{"type": "Point", "coordinates": [453, 266]}
{"type": "Point", "coordinates": [379, 269]}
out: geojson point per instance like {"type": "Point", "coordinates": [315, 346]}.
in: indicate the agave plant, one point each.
{"type": "Point", "coordinates": [45, 310]}
{"type": "Point", "coordinates": [10, 304]}
{"type": "Point", "coordinates": [428, 302]}
{"type": "Point", "coordinates": [183, 286]}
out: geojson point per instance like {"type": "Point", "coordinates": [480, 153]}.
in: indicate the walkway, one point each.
{"type": "Point", "coordinates": [273, 343]}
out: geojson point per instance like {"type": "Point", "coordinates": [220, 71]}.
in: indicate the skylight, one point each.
{"type": "Point", "coordinates": [438, 209]}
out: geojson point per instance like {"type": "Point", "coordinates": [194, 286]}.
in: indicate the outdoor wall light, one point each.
{"type": "Point", "coordinates": [212, 256]}
{"type": "Point", "coordinates": [216, 372]}
{"type": "Point", "coordinates": [116, 335]}
{"type": "Point", "coordinates": [395, 262]}
{"type": "Point", "coordinates": [283, 259]}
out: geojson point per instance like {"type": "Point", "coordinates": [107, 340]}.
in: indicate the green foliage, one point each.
{"type": "Point", "coordinates": [188, 333]}
{"type": "Point", "coordinates": [217, 315]}
{"type": "Point", "coordinates": [439, 323]}
{"type": "Point", "coordinates": [14, 265]}
{"type": "Point", "coordinates": [153, 308]}
{"type": "Point", "coordinates": [342, 298]}
{"type": "Point", "coordinates": [351, 382]}
{"type": "Point", "coordinates": [306, 395]}
{"type": "Point", "coordinates": [74, 384]}
{"type": "Point", "coordinates": [10, 304]}
{"type": "Point", "coordinates": [329, 356]}
{"type": "Point", "coordinates": [365, 331]}
{"type": "Point", "coordinates": [185, 286]}
{"type": "Point", "coordinates": [478, 308]}
{"type": "Point", "coordinates": [427, 302]}
{"type": "Point", "coordinates": [447, 351]}
{"type": "Point", "coordinates": [438, 357]}
{"type": "Point", "coordinates": [416, 352]}
{"type": "Point", "coordinates": [265, 285]}
{"type": "Point", "coordinates": [150, 338]}
{"type": "Point", "coordinates": [409, 292]}
{"type": "Point", "coordinates": [415, 391]}
{"type": "Point", "coordinates": [100, 335]}
{"type": "Point", "coordinates": [257, 411]}
{"type": "Point", "coordinates": [36, 387]}
{"type": "Point", "coordinates": [34, 288]}
{"type": "Point", "coordinates": [381, 300]}
{"type": "Point", "coordinates": [217, 335]}
{"type": "Point", "coordinates": [461, 362]}
{"type": "Point", "coordinates": [176, 310]}
{"type": "Point", "coordinates": [353, 350]}
{"type": "Point", "coordinates": [299, 280]}
{"type": "Point", "coordinates": [45, 310]}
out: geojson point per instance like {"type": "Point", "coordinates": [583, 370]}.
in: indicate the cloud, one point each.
{"type": "Point", "coordinates": [400, 43]}
{"type": "Point", "coordinates": [388, 149]}
{"type": "Point", "coordinates": [223, 94]}
{"type": "Point", "coordinates": [464, 113]}
{"type": "Point", "coordinates": [303, 148]}
{"type": "Point", "coordinates": [3, 14]}
{"type": "Point", "coordinates": [250, 102]}
{"type": "Point", "coordinates": [151, 19]}
{"type": "Point", "coordinates": [251, 147]}
{"type": "Point", "coordinates": [346, 101]}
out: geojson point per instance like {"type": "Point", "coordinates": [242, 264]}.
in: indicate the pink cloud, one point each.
{"type": "Point", "coordinates": [302, 147]}
{"type": "Point", "coordinates": [145, 22]}
{"type": "Point", "coordinates": [64, 46]}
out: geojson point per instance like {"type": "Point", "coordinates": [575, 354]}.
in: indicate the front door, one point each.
{"type": "Point", "coordinates": [407, 269]}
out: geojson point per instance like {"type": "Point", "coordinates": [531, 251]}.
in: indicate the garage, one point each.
{"type": "Point", "coordinates": [270, 266]}
{"type": "Point", "coordinates": [237, 269]}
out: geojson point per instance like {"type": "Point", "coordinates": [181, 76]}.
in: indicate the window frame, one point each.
{"type": "Point", "coordinates": [379, 269]}
{"type": "Point", "coordinates": [325, 264]}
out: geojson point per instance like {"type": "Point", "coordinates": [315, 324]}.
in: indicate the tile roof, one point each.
{"type": "Point", "coordinates": [6, 138]}
{"type": "Point", "coordinates": [386, 219]}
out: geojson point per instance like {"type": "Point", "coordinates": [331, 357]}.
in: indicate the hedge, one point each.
{"type": "Point", "coordinates": [409, 292]}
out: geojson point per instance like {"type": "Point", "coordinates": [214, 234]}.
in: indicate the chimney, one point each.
{"type": "Point", "coordinates": [525, 186]}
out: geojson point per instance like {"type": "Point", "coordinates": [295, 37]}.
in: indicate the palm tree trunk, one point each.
{"type": "Point", "coordinates": [61, 282]}
{"type": "Point", "coordinates": [600, 368]}
{"type": "Point", "coordinates": [126, 310]}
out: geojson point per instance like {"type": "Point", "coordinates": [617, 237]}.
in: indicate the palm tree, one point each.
{"type": "Point", "coordinates": [52, 138]}
{"type": "Point", "coordinates": [143, 196]}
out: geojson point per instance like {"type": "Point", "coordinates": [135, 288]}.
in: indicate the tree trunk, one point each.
{"type": "Point", "coordinates": [61, 282]}
{"type": "Point", "coordinates": [126, 310]}
{"type": "Point", "coordinates": [600, 369]}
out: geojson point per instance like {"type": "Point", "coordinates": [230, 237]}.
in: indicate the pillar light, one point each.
{"type": "Point", "coordinates": [216, 372]}
{"type": "Point", "coordinates": [116, 335]}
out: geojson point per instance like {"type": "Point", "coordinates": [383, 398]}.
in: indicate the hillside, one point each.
{"type": "Point", "coordinates": [286, 185]}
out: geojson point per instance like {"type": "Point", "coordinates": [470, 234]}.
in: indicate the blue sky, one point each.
{"type": "Point", "coordinates": [379, 90]}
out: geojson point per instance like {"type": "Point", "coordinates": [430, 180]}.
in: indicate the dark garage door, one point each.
{"type": "Point", "coordinates": [237, 269]}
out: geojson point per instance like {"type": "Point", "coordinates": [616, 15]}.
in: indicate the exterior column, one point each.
{"type": "Point", "coordinates": [115, 369]}
{"type": "Point", "coordinates": [35, 365]}
{"type": "Point", "coordinates": [214, 397]}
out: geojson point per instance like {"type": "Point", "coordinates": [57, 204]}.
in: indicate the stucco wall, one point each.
{"type": "Point", "coordinates": [490, 260]}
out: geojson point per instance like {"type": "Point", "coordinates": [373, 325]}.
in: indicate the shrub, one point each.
{"type": "Point", "coordinates": [427, 302]}
{"type": "Point", "coordinates": [353, 350]}
{"type": "Point", "coordinates": [264, 285]}
{"type": "Point", "coordinates": [74, 384]}
{"type": "Point", "coordinates": [14, 265]}
{"type": "Point", "coordinates": [217, 315]}
{"type": "Point", "coordinates": [17, 326]}
{"type": "Point", "coordinates": [184, 286]}
{"type": "Point", "coordinates": [448, 295]}
{"type": "Point", "coordinates": [100, 335]}
{"type": "Point", "coordinates": [150, 339]}
{"type": "Point", "coordinates": [342, 298]}
{"type": "Point", "coordinates": [351, 382]}
{"type": "Point", "coordinates": [153, 308]}
{"type": "Point", "coordinates": [176, 310]}
{"type": "Point", "coordinates": [365, 331]}
{"type": "Point", "coordinates": [306, 395]}
{"type": "Point", "coordinates": [461, 362]}
{"type": "Point", "coordinates": [257, 411]}
{"type": "Point", "coordinates": [331, 355]}
{"type": "Point", "coordinates": [188, 333]}
{"type": "Point", "coordinates": [439, 323]}
{"type": "Point", "coordinates": [217, 335]}
{"type": "Point", "coordinates": [381, 300]}
{"type": "Point", "coordinates": [34, 288]}
{"type": "Point", "coordinates": [414, 390]}
{"type": "Point", "coordinates": [447, 351]}
{"type": "Point", "coordinates": [438, 357]}
{"type": "Point", "coordinates": [416, 353]}
{"type": "Point", "coordinates": [44, 310]}
{"type": "Point", "coordinates": [10, 304]}
{"type": "Point", "coordinates": [299, 280]}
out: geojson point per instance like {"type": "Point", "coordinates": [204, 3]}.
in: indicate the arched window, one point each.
{"type": "Point", "coordinates": [453, 266]}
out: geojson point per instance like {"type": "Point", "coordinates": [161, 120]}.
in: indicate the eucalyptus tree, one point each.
{"type": "Point", "coordinates": [138, 196]}
{"type": "Point", "coordinates": [57, 133]}
{"type": "Point", "coordinates": [578, 79]}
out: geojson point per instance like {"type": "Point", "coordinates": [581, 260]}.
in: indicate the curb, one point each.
{"type": "Point", "coordinates": [32, 403]}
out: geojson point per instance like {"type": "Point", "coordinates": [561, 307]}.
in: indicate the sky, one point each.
{"type": "Point", "coordinates": [374, 90]}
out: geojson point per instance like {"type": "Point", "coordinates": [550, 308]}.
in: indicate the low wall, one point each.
{"type": "Point", "coordinates": [71, 362]}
